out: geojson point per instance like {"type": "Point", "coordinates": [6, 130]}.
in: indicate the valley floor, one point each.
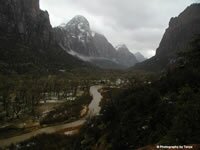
{"type": "Point", "coordinates": [68, 128]}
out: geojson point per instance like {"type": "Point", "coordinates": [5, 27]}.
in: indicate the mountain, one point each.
{"type": "Point", "coordinates": [24, 20]}
{"type": "Point", "coordinates": [104, 48]}
{"type": "Point", "coordinates": [139, 57]}
{"type": "Point", "coordinates": [79, 36]}
{"type": "Point", "coordinates": [28, 42]}
{"type": "Point", "coordinates": [181, 31]}
{"type": "Point", "coordinates": [125, 57]}
{"type": "Point", "coordinates": [77, 39]}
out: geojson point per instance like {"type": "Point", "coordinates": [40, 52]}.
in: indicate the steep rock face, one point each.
{"type": "Point", "coordinates": [25, 20]}
{"type": "Point", "coordinates": [28, 42]}
{"type": "Point", "coordinates": [125, 57]}
{"type": "Point", "coordinates": [27, 38]}
{"type": "Point", "coordinates": [139, 57]}
{"type": "Point", "coordinates": [78, 36]}
{"type": "Point", "coordinates": [178, 35]}
{"type": "Point", "coordinates": [180, 32]}
{"type": "Point", "coordinates": [104, 48]}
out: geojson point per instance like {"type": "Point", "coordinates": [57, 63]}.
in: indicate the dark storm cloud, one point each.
{"type": "Point", "coordinates": [139, 24]}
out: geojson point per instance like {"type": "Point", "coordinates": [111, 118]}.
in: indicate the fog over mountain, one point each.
{"type": "Point", "coordinates": [138, 24]}
{"type": "Point", "coordinates": [77, 39]}
{"type": "Point", "coordinates": [82, 79]}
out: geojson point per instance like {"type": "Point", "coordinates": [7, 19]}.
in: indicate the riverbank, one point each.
{"type": "Point", "coordinates": [93, 107]}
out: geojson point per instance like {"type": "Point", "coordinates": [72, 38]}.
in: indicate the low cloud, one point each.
{"type": "Point", "coordinates": [140, 24]}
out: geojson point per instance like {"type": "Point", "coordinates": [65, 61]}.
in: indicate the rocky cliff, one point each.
{"type": "Point", "coordinates": [181, 31]}
{"type": "Point", "coordinates": [25, 20]}
{"type": "Point", "coordinates": [177, 37]}
{"type": "Point", "coordinates": [104, 47]}
{"type": "Point", "coordinates": [28, 42]}
{"type": "Point", "coordinates": [125, 57]}
{"type": "Point", "coordinates": [77, 38]}
{"type": "Point", "coordinates": [139, 57]}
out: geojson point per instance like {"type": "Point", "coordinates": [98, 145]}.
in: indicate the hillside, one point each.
{"type": "Point", "coordinates": [181, 31]}
{"type": "Point", "coordinates": [77, 38]}
{"type": "Point", "coordinates": [27, 42]}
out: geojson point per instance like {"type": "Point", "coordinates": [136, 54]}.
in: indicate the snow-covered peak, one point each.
{"type": "Point", "coordinates": [123, 50]}
{"type": "Point", "coordinates": [62, 25]}
{"type": "Point", "coordinates": [80, 18]}
{"type": "Point", "coordinates": [79, 28]}
{"type": "Point", "coordinates": [138, 54]}
{"type": "Point", "coordinates": [79, 22]}
{"type": "Point", "coordinates": [125, 56]}
{"type": "Point", "coordinates": [121, 46]}
{"type": "Point", "coordinates": [140, 57]}
{"type": "Point", "coordinates": [93, 33]}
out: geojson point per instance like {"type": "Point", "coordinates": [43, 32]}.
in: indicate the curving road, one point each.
{"type": "Point", "coordinates": [94, 109]}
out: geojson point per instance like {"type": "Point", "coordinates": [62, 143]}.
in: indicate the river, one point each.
{"type": "Point", "coordinates": [94, 109]}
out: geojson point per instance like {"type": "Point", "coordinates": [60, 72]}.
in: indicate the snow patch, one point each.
{"type": "Point", "coordinates": [81, 27]}
{"type": "Point", "coordinates": [120, 46]}
{"type": "Point", "coordinates": [93, 33]}
{"type": "Point", "coordinates": [73, 36]}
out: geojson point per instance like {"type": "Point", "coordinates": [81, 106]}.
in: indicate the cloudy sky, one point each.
{"type": "Point", "coordinates": [140, 24]}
